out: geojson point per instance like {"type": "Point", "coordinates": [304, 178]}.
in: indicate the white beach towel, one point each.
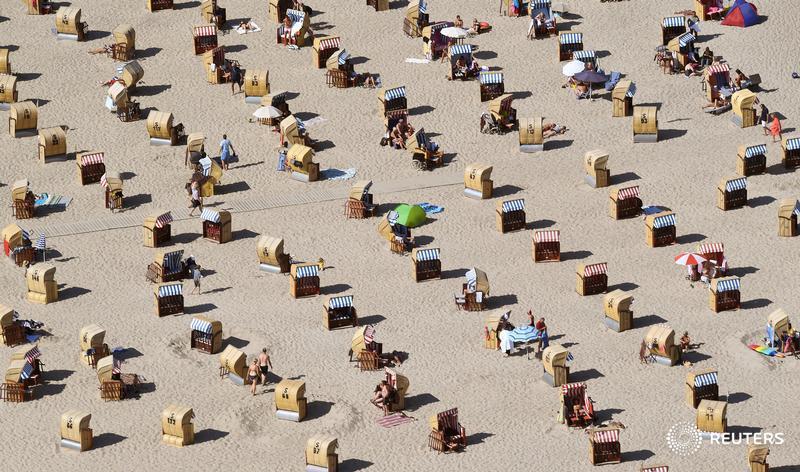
{"type": "Point", "coordinates": [254, 29]}
{"type": "Point", "coordinates": [314, 121]}
{"type": "Point", "coordinates": [414, 60]}
{"type": "Point", "coordinates": [338, 174]}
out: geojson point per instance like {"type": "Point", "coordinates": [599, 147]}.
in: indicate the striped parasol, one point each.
{"type": "Point", "coordinates": [689, 258]}
{"type": "Point", "coordinates": [41, 245]}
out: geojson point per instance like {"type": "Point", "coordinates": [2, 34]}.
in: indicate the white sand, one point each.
{"type": "Point", "coordinates": [508, 411]}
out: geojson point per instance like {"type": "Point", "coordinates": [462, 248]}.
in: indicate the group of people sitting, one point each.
{"type": "Point", "coordinates": [706, 271]}
{"type": "Point", "coordinates": [464, 71]}
{"type": "Point", "coordinates": [787, 341]}
{"type": "Point", "coordinates": [504, 327]}
{"type": "Point", "coordinates": [398, 134]}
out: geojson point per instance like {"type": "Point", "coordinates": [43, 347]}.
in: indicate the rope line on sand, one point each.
{"type": "Point", "coordinates": [122, 220]}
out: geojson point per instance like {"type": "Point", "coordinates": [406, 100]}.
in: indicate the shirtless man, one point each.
{"type": "Point", "coordinates": [264, 364]}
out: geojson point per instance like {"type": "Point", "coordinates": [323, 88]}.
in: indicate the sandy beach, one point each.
{"type": "Point", "coordinates": [509, 413]}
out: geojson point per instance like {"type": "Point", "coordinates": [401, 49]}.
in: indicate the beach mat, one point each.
{"type": "Point", "coordinates": [52, 200]}
{"type": "Point", "coordinates": [414, 60]}
{"type": "Point", "coordinates": [393, 420]}
{"type": "Point", "coordinates": [765, 350]}
{"type": "Point", "coordinates": [430, 208]}
{"type": "Point", "coordinates": [337, 174]}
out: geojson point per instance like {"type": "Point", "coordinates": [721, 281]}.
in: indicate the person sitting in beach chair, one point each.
{"type": "Point", "coordinates": [460, 69]}
{"type": "Point", "coordinates": [383, 396]}
{"type": "Point", "coordinates": [551, 129]}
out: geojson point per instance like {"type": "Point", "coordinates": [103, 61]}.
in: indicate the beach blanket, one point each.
{"type": "Point", "coordinates": [254, 28]}
{"type": "Point", "coordinates": [336, 174]}
{"type": "Point", "coordinates": [44, 200]}
{"type": "Point", "coordinates": [767, 351]}
{"type": "Point", "coordinates": [393, 420]}
{"type": "Point", "coordinates": [314, 121]}
{"type": "Point", "coordinates": [430, 208]}
{"type": "Point", "coordinates": [414, 60]}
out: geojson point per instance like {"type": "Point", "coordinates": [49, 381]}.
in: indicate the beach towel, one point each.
{"type": "Point", "coordinates": [336, 174]}
{"type": "Point", "coordinates": [312, 122]}
{"type": "Point", "coordinates": [767, 351]}
{"type": "Point", "coordinates": [430, 208]}
{"type": "Point", "coordinates": [393, 420]}
{"type": "Point", "coordinates": [414, 60]}
{"type": "Point", "coordinates": [44, 200]}
{"type": "Point", "coordinates": [32, 338]}
{"type": "Point", "coordinates": [254, 28]}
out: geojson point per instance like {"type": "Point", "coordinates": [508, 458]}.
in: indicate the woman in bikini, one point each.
{"type": "Point", "coordinates": [252, 376]}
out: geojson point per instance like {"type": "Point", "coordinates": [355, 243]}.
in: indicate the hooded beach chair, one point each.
{"type": "Point", "coordinates": [206, 334]}
{"type": "Point", "coordinates": [323, 48]}
{"type": "Point", "coordinates": [425, 154]}
{"type": "Point", "coordinates": [23, 119]}
{"type": "Point", "coordinates": [69, 24]}
{"type": "Point", "coordinates": [177, 428]}
{"type": "Point", "coordinates": [167, 267]}
{"type": "Point", "coordinates": [788, 216]}
{"type": "Point", "coordinates": [426, 264]}
{"type": "Point", "coordinates": [168, 298]}
{"type": "Point", "coordinates": [339, 312]}
{"type": "Point", "coordinates": [112, 183]}
{"type": "Point", "coordinates": [204, 38]}
{"type": "Point", "coordinates": [52, 144]}
{"type": "Point", "coordinates": [447, 434]}
{"type": "Point", "coordinates": [604, 445]}
{"type": "Point", "coordinates": [22, 200]}
{"type": "Point", "coordinates": [271, 257]}
{"type": "Point", "coordinates": [93, 347]}
{"type": "Point", "coordinates": [416, 18]}
{"type": "Point", "coordinates": [701, 385]}
{"type": "Point", "coordinates": [75, 431]}
{"type": "Point", "coordinates": [474, 292]}
{"type": "Point", "coordinates": [304, 280]}
{"type": "Point", "coordinates": [752, 160]}
{"type": "Point", "coordinates": [157, 230]}
{"type": "Point", "coordinates": [91, 166]}
{"type": "Point", "coordinates": [592, 279]}
{"type": "Point", "coordinates": [290, 401]}
{"type": "Point", "coordinates": [577, 408]}
{"type": "Point", "coordinates": [546, 245]}
{"type": "Point", "coordinates": [359, 203]}
{"type": "Point", "coordinates": [510, 215]}
{"type": "Point", "coordinates": [321, 454]}
{"type": "Point", "coordinates": [659, 344]}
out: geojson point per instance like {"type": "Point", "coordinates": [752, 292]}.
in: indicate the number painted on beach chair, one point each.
{"type": "Point", "coordinates": [643, 118]}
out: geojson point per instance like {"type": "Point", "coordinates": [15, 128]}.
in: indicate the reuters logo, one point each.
{"type": "Point", "coordinates": [684, 439]}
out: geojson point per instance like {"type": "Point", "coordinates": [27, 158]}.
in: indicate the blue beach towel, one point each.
{"type": "Point", "coordinates": [430, 208]}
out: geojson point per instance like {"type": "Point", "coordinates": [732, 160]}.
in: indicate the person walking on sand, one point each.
{"type": "Point", "coordinates": [775, 128]}
{"type": "Point", "coordinates": [264, 364]}
{"type": "Point", "coordinates": [236, 78]}
{"type": "Point", "coordinates": [225, 151]}
{"type": "Point", "coordinates": [196, 276]}
{"type": "Point", "coordinates": [196, 199]}
{"type": "Point", "coordinates": [763, 118]}
{"type": "Point", "coordinates": [252, 376]}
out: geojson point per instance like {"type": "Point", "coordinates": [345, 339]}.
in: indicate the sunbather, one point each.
{"type": "Point", "coordinates": [246, 26]}
{"type": "Point", "coordinates": [692, 68]}
{"type": "Point", "coordinates": [106, 49]}
{"type": "Point", "coordinates": [476, 27]}
{"type": "Point", "coordinates": [718, 102]}
{"type": "Point", "coordinates": [685, 341]}
{"type": "Point", "coordinates": [383, 396]}
{"type": "Point", "coordinates": [551, 129]}
{"type": "Point", "coordinates": [739, 79]}
{"type": "Point", "coordinates": [460, 68]}
{"type": "Point", "coordinates": [287, 30]}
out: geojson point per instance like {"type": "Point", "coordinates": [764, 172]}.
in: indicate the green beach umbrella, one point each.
{"type": "Point", "coordinates": [410, 215]}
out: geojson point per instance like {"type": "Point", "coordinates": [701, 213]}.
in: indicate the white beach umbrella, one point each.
{"type": "Point", "coordinates": [573, 67]}
{"type": "Point", "coordinates": [267, 112]}
{"type": "Point", "coordinates": [454, 32]}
